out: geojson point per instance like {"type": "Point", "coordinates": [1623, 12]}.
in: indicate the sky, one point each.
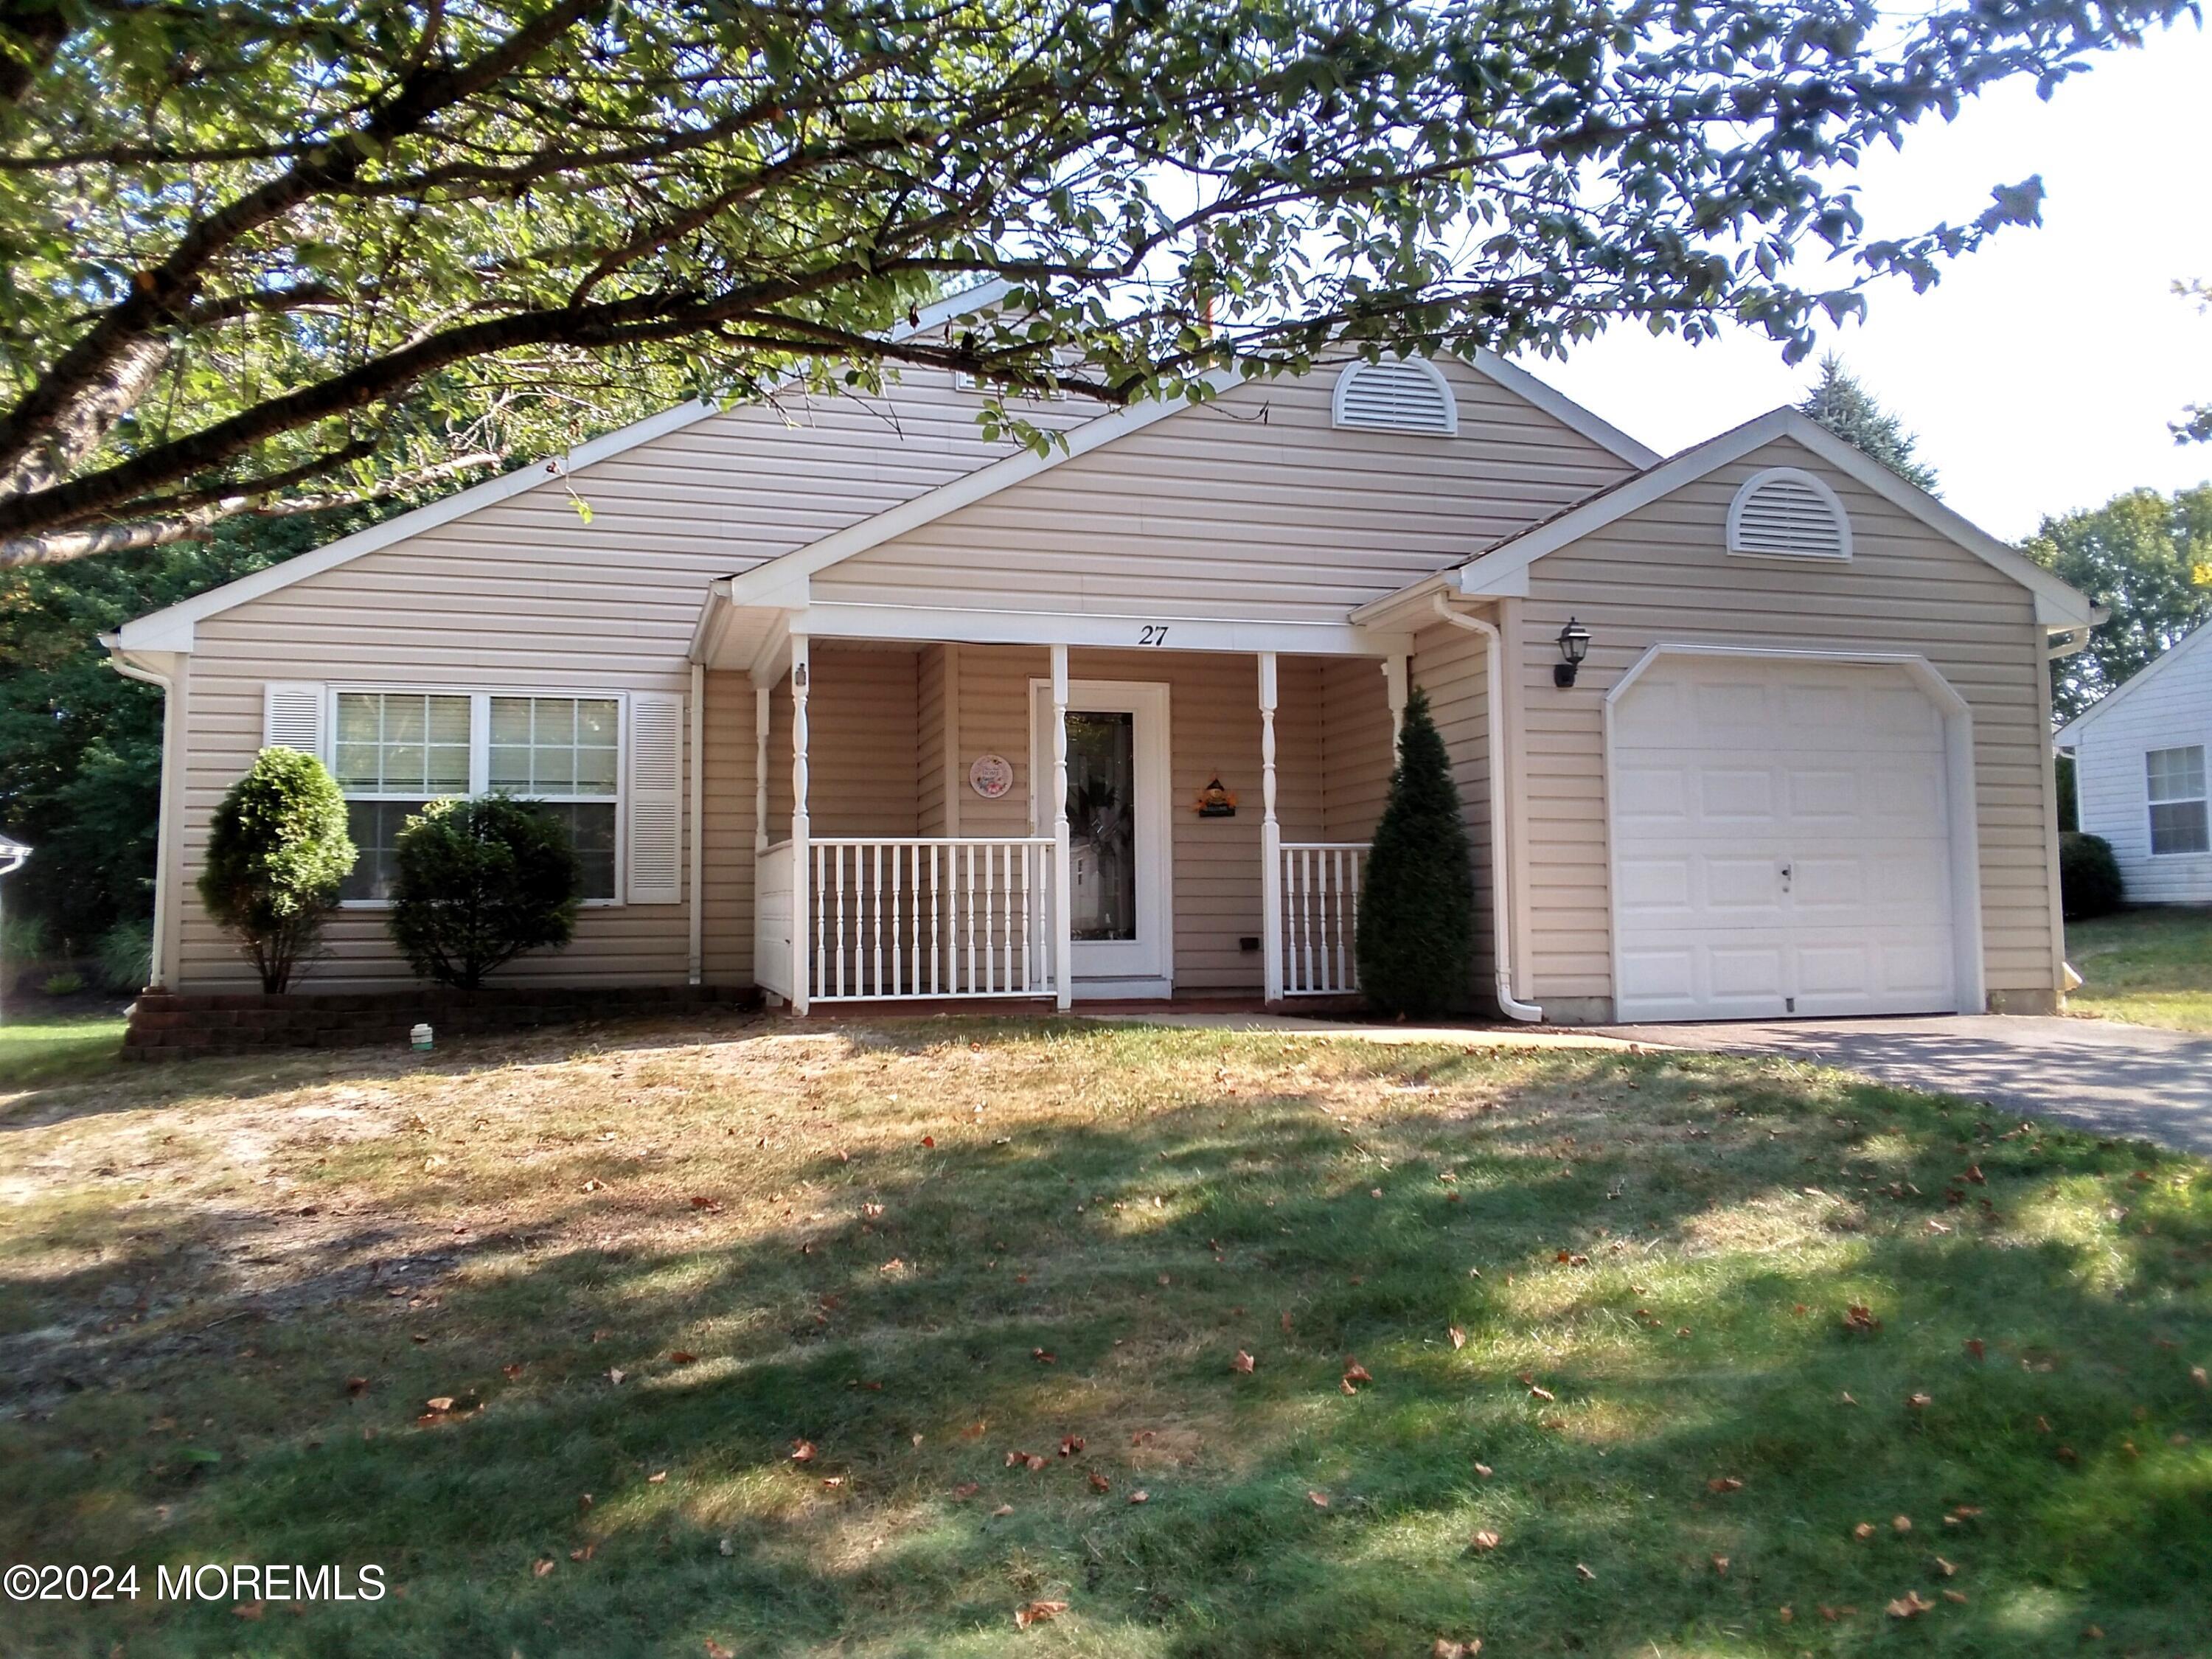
{"type": "Point", "coordinates": [2042, 373]}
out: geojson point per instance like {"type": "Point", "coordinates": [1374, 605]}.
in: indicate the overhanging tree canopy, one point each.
{"type": "Point", "coordinates": [267, 255]}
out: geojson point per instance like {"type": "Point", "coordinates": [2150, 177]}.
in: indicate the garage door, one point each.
{"type": "Point", "coordinates": [1781, 842]}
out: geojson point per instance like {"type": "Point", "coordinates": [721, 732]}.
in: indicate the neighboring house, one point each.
{"type": "Point", "coordinates": [2139, 774]}
{"type": "Point", "coordinates": [816, 683]}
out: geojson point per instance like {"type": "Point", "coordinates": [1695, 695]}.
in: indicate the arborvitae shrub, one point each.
{"type": "Point", "coordinates": [479, 882]}
{"type": "Point", "coordinates": [1416, 938]}
{"type": "Point", "coordinates": [278, 849]}
{"type": "Point", "coordinates": [2088, 876]}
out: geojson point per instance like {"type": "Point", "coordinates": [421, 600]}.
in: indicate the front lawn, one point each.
{"type": "Point", "coordinates": [2149, 967]}
{"type": "Point", "coordinates": [46, 1049]}
{"type": "Point", "coordinates": [885, 1341]}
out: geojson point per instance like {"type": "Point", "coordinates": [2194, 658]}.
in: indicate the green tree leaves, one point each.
{"type": "Point", "coordinates": [2145, 557]}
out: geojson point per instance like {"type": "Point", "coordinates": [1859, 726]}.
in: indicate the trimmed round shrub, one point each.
{"type": "Point", "coordinates": [2088, 876]}
{"type": "Point", "coordinates": [278, 849]}
{"type": "Point", "coordinates": [479, 882]}
{"type": "Point", "coordinates": [1416, 934]}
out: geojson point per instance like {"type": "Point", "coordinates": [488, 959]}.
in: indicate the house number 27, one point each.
{"type": "Point", "coordinates": [1152, 634]}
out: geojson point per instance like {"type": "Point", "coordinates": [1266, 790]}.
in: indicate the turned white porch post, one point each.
{"type": "Point", "coordinates": [802, 874]}
{"type": "Point", "coordinates": [1063, 935]}
{"type": "Point", "coordinates": [1271, 842]}
{"type": "Point", "coordinates": [1395, 675]}
{"type": "Point", "coordinates": [759, 772]}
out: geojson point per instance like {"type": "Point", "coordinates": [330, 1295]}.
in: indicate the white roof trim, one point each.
{"type": "Point", "coordinates": [172, 629]}
{"type": "Point", "coordinates": [781, 581]}
{"type": "Point", "coordinates": [2069, 734]}
{"type": "Point", "coordinates": [1560, 407]}
{"type": "Point", "coordinates": [2057, 603]}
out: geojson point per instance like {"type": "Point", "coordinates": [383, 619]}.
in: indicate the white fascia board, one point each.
{"type": "Point", "coordinates": [2070, 734]}
{"type": "Point", "coordinates": [1560, 407]}
{"type": "Point", "coordinates": [172, 629]}
{"type": "Point", "coordinates": [2056, 606]}
{"type": "Point", "coordinates": [841, 621]}
{"type": "Point", "coordinates": [776, 581]}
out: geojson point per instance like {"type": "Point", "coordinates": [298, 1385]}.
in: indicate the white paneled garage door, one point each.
{"type": "Point", "coordinates": [1781, 841]}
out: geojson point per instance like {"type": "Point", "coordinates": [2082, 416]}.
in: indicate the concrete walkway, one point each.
{"type": "Point", "coordinates": [2091, 1074]}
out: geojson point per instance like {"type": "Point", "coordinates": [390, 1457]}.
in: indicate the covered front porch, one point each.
{"type": "Point", "coordinates": [991, 819]}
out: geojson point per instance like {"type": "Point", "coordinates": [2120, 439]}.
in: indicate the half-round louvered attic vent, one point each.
{"type": "Point", "coordinates": [1397, 397]}
{"type": "Point", "coordinates": [1784, 513]}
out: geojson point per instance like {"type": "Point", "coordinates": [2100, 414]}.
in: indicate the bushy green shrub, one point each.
{"type": "Point", "coordinates": [126, 955]}
{"type": "Point", "coordinates": [2088, 876]}
{"type": "Point", "coordinates": [479, 882]}
{"type": "Point", "coordinates": [1416, 933]}
{"type": "Point", "coordinates": [67, 983]}
{"type": "Point", "coordinates": [278, 849]}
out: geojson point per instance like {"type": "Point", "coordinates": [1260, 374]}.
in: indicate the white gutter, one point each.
{"type": "Point", "coordinates": [1500, 870]}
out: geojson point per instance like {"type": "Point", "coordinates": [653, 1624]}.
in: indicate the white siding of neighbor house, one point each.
{"type": "Point", "coordinates": [2172, 710]}
{"type": "Point", "coordinates": [1253, 507]}
{"type": "Point", "coordinates": [524, 593]}
{"type": "Point", "coordinates": [1662, 574]}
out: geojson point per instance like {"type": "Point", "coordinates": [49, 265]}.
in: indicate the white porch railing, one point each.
{"type": "Point", "coordinates": [772, 919]}
{"type": "Point", "coordinates": [912, 917]}
{"type": "Point", "coordinates": [1320, 889]}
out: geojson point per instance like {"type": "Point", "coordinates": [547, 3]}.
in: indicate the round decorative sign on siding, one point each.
{"type": "Point", "coordinates": [991, 776]}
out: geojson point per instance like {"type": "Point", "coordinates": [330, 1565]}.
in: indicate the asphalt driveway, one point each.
{"type": "Point", "coordinates": [2091, 1074]}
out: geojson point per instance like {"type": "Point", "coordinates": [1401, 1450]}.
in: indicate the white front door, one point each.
{"type": "Point", "coordinates": [1781, 842]}
{"type": "Point", "coordinates": [1120, 829]}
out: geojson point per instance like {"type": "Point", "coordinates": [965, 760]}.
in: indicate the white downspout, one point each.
{"type": "Point", "coordinates": [1500, 870]}
{"type": "Point", "coordinates": [696, 962]}
{"type": "Point", "coordinates": [158, 964]}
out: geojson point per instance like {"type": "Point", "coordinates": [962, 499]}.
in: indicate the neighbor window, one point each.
{"type": "Point", "coordinates": [395, 751]}
{"type": "Point", "coordinates": [2178, 816]}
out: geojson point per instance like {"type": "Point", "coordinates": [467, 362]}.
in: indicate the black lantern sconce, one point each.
{"type": "Point", "coordinates": [1574, 645]}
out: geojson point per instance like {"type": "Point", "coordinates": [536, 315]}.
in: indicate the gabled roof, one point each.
{"type": "Point", "coordinates": [171, 628]}
{"type": "Point", "coordinates": [780, 581]}
{"type": "Point", "coordinates": [2192, 642]}
{"type": "Point", "coordinates": [1502, 568]}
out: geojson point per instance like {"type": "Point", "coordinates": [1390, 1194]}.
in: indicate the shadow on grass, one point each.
{"type": "Point", "coordinates": [1015, 1293]}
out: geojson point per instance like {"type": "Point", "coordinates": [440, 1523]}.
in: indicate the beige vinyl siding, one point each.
{"type": "Point", "coordinates": [1450, 665]}
{"type": "Point", "coordinates": [524, 593]}
{"type": "Point", "coordinates": [930, 753]}
{"type": "Point", "coordinates": [1252, 506]}
{"type": "Point", "coordinates": [1662, 574]}
{"type": "Point", "coordinates": [1359, 747]}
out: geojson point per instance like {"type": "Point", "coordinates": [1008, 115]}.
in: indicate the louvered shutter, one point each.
{"type": "Point", "coordinates": [1396, 396]}
{"type": "Point", "coordinates": [656, 800]}
{"type": "Point", "coordinates": [292, 716]}
{"type": "Point", "coordinates": [1788, 516]}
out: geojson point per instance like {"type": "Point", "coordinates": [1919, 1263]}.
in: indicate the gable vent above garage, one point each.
{"type": "Point", "coordinates": [1784, 513]}
{"type": "Point", "coordinates": [1396, 396]}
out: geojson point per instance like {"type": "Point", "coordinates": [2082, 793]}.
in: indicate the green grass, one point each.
{"type": "Point", "coordinates": [931, 1250]}
{"type": "Point", "coordinates": [2149, 967]}
{"type": "Point", "coordinates": [47, 1050]}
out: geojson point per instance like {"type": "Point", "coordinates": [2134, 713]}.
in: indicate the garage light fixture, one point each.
{"type": "Point", "coordinates": [1574, 645]}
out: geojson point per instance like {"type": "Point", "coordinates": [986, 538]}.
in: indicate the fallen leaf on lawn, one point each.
{"type": "Point", "coordinates": [1864, 1529]}
{"type": "Point", "coordinates": [929, 1140]}
{"type": "Point", "coordinates": [1036, 1612]}
{"type": "Point", "coordinates": [1003, 1509]}
{"type": "Point", "coordinates": [249, 1609]}
{"type": "Point", "coordinates": [2093, 1633]}
{"type": "Point", "coordinates": [1016, 1458]}
{"type": "Point", "coordinates": [1284, 1320]}
{"type": "Point", "coordinates": [1356, 1372]}
{"type": "Point", "coordinates": [682, 1357]}
{"type": "Point", "coordinates": [966, 1490]}
{"type": "Point", "coordinates": [1243, 1364]}
{"type": "Point", "coordinates": [583, 1501]}
{"type": "Point", "coordinates": [656, 1478]}
{"type": "Point", "coordinates": [1724, 1483]}
{"type": "Point", "coordinates": [701, 1201]}
{"type": "Point", "coordinates": [716, 1650]}
{"type": "Point", "coordinates": [1070, 1444]}
{"type": "Point", "coordinates": [2067, 1454]}
{"type": "Point", "coordinates": [2200, 1376]}
{"type": "Point", "coordinates": [1099, 1482]}
{"type": "Point", "coordinates": [510, 1372]}
{"type": "Point", "coordinates": [802, 1451]}
{"type": "Point", "coordinates": [833, 1480]}
{"type": "Point", "coordinates": [1975, 1346]}
{"type": "Point", "coordinates": [1901, 1523]}
{"type": "Point", "coordinates": [595, 1186]}
{"type": "Point", "coordinates": [584, 1552]}
{"type": "Point", "coordinates": [1484, 1470]}
{"type": "Point", "coordinates": [356, 1385]}
{"type": "Point", "coordinates": [1458, 1337]}
{"type": "Point", "coordinates": [615, 1376]}
{"type": "Point", "coordinates": [1044, 1356]}
{"type": "Point", "coordinates": [1140, 1496]}
{"type": "Point", "coordinates": [974, 1430]}
{"type": "Point", "coordinates": [1786, 1614]}
{"type": "Point", "coordinates": [543, 1565]}
{"type": "Point", "coordinates": [1960, 1596]}
{"type": "Point", "coordinates": [1448, 1649]}
{"type": "Point", "coordinates": [1919, 1402]}
{"type": "Point", "coordinates": [1946, 1568]}
{"type": "Point", "coordinates": [1318, 1499]}
{"type": "Point", "coordinates": [444, 1402]}
{"type": "Point", "coordinates": [1860, 1318]}
{"type": "Point", "coordinates": [1033, 1462]}
{"type": "Point", "coordinates": [1848, 1400]}
{"type": "Point", "coordinates": [1541, 1393]}
{"type": "Point", "coordinates": [1486, 1541]}
{"type": "Point", "coordinates": [1585, 1573]}
{"type": "Point", "coordinates": [1721, 1565]}
{"type": "Point", "coordinates": [1908, 1606]}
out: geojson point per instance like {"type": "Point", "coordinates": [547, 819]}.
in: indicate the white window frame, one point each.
{"type": "Point", "coordinates": [2204, 797]}
{"type": "Point", "coordinates": [480, 758]}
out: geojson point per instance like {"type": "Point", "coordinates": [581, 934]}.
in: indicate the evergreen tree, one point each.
{"type": "Point", "coordinates": [1416, 935]}
{"type": "Point", "coordinates": [1840, 404]}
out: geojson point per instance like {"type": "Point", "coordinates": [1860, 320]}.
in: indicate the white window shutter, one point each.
{"type": "Point", "coordinates": [292, 716]}
{"type": "Point", "coordinates": [656, 799]}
